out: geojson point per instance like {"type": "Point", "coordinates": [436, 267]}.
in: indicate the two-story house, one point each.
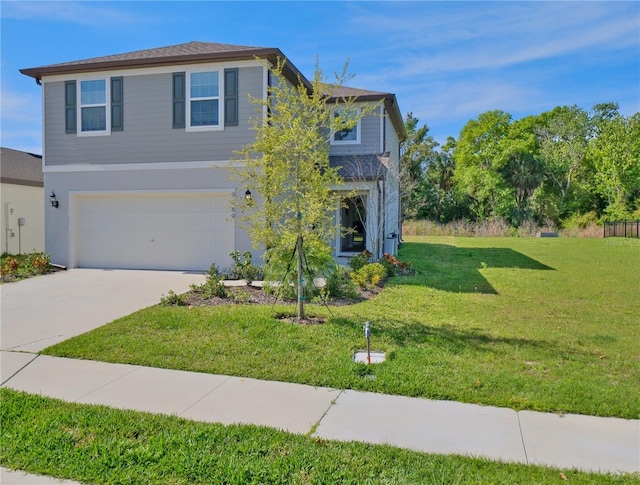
{"type": "Point", "coordinates": [136, 150]}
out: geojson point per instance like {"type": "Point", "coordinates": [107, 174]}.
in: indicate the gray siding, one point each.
{"type": "Point", "coordinates": [369, 139]}
{"type": "Point", "coordinates": [148, 136]}
{"type": "Point", "coordinates": [392, 216]}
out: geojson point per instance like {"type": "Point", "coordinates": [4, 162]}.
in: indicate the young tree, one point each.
{"type": "Point", "coordinates": [287, 167]}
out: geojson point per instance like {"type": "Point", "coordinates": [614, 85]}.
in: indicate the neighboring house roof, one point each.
{"type": "Point", "coordinates": [20, 168]}
{"type": "Point", "coordinates": [200, 52]}
{"type": "Point", "coordinates": [354, 168]}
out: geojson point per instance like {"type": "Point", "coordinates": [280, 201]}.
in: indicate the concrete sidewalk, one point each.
{"type": "Point", "coordinates": [570, 441]}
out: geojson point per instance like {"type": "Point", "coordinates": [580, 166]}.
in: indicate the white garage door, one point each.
{"type": "Point", "coordinates": [159, 230]}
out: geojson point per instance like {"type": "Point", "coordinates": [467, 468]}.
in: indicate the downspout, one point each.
{"type": "Point", "coordinates": [381, 213]}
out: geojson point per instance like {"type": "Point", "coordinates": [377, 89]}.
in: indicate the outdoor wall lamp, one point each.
{"type": "Point", "coordinates": [247, 196]}
{"type": "Point", "coordinates": [54, 201]}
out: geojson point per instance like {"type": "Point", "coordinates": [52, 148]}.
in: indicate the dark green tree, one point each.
{"type": "Point", "coordinates": [615, 156]}
{"type": "Point", "coordinates": [417, 152]}
{"type": "Point", "coordinates": [480, 163]}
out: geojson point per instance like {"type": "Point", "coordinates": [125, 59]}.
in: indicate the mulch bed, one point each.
{"type": "Point", "coordinates": [254, 295]}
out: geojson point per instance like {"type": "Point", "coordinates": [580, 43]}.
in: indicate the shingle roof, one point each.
{"type": "Point", "coordinates": [359, 167]}
{"type": "Point", "coordinates": [349, 92]}
{"type": "Point", "coordinates": [188, 53]}
{"type": "Point", "coordinates": [20, 168]}
{"type": "Point", "coordinates": [188, 50]}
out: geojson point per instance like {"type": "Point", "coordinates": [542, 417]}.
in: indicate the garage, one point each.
{"type": "Point", "coordinates": [153, 230]}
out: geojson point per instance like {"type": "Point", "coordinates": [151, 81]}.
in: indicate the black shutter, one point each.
{"type": "Point", "coordinates": [179, 100]}
{"type": "Point", "coordinates": [117, 121]}
{"type": "Point", "coordinates": [231, 97]}
{"type": "Point", "coordinates": [70, 118]}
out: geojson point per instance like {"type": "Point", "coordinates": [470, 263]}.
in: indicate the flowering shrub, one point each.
{"type": "Point", "coordinates": [9, 267]}
{"type": "Point", "coordinates": [394, 266]}
{"type": "Point", "coordinates": [24, 265]}
{"type": "Point", "coordinates": [36, 263]}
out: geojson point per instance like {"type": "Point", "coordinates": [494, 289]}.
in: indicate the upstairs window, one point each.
{"type": "Point", "coordinates": [204, 100]}
{"type": "Point", "coordinates": [93, 106]}
{"type": "Point", "coordinates": [347, 136]}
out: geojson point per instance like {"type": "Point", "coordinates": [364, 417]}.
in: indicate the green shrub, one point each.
{"type": "Point", "coordinates": [281, 270]}
{"type": "Point", "coordinates": [172, 299]}
{"type": "Point", "coordinates": [369, 275]}
{"type": "Point", "coordinates": [580, 221]}
{"type": "Point", "coordinates": [243, 268]}
{"type": "Point", "coordinates": [240, 295]}
{"type": "Point", "coordinates": [339, 284]}
{"type": "Point", "coordinates": [358, 261]}
{"type": "Point", "coordinates": [214, 284]}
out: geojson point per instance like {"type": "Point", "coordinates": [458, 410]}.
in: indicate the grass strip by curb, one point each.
{"type": "Point", "coordinates": [96, 444]}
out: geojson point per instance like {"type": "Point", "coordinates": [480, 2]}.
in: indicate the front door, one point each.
{"type": "Point", "coordinates": [353, 222]}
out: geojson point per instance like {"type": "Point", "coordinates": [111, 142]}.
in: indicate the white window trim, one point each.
{"type": "Point", "coordinates": [106, 104]}
{"type": "Point", "coordinates": [333, 140]}
{"type": "Point", "coordinates": [220, 98]}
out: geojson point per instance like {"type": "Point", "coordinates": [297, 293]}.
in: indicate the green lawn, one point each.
{"type": "Point", "coordinates": [95, 444]}
{"type": "Point", "coordinates": [527, 323]}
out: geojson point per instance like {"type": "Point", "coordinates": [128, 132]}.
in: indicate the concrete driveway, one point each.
{"type": "Point", "coordinates": [39, 312]}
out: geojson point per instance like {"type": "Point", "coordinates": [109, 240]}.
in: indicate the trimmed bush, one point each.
{"type": "Point", "coordinates": [369, 275]}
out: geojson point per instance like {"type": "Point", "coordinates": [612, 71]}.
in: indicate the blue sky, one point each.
{"type": "Point", "coordinates": [447, 62]}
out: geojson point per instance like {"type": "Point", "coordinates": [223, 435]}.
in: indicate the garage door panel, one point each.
{"type": "Point", "coordinates": [154, 231]}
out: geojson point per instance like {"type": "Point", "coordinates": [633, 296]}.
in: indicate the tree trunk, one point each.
{"type": "Point", "coordinates": [299, 249]}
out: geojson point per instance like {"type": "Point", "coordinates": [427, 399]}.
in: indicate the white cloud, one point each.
{"type": "Point", "coordinates": [467, 36]}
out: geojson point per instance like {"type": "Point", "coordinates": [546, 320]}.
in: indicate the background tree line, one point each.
{"type": "Point", "coordinates": [553, 168]}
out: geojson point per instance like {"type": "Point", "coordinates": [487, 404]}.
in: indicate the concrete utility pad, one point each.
{"type": "Point", "coordinates": [376, 357]}
{"type": "Point", "coordinates": [424, 425]}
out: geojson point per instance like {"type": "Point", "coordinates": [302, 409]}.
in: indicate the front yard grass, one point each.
{"type": "Point", "coordinates": [95, 444]}
{"type": "Point", "coordinates": [526, 323]}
